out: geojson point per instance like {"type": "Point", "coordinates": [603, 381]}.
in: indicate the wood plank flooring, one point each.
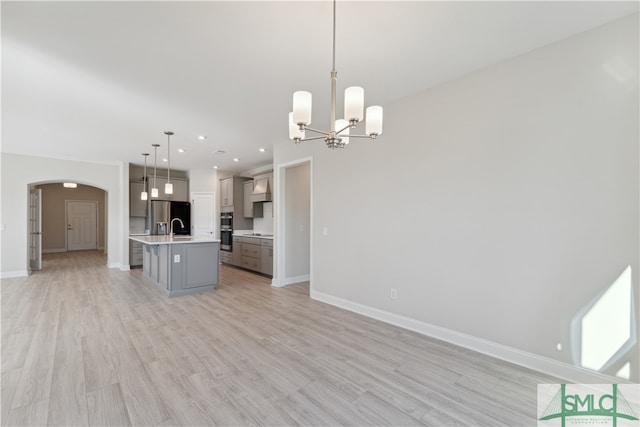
{"type": "Point", "coordinates": [85, 345]}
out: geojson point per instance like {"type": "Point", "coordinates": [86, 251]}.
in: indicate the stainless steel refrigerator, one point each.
{"type": "Point", "coordinates": [162, 212]}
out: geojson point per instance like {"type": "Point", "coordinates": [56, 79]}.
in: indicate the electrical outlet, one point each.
{"type": "Point", "coordinates": [176, 258]}
{"type": "Point", "coordinates": [393, 293]}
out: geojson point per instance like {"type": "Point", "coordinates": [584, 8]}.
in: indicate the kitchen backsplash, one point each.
{"type": "Point", "coordinates": [264, 225]}
{"type": "Point", "coordinates": [136, 224]}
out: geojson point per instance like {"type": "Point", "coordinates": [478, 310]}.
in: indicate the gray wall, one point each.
{"type": "Point", "coordinates": [498, 204]}
{"type": "Point", "coordinates": [54, 222]}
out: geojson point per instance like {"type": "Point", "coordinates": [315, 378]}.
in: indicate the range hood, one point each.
{"type": "Point", "coordinates": [261, 191]}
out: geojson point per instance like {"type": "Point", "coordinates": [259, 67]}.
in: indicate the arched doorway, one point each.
{"type": "Point", "coordinates": [70, 218]}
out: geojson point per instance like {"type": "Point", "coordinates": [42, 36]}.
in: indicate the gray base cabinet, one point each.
{"type": "Point", "coordinates": [135, 254]}
{"type": "Point", "coordinates": [236, 253]}
{"type": "Point", "coordinates": [253, 253]}
{"type": "Point", "coordinates": [179, 269]}
{"type": "Point", "coordinates": [266, 256]}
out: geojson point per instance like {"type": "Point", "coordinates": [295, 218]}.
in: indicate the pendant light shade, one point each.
{"type": "Point", "coordinates": [168, 187]}
{"type": "Point", "coordinates": [342, 128]}
{"type": "Point", "coordinates": [353, 104]}
{"type": "Point", "coordinates": [374, 121]}
{"type": "Point", "coordinates": [154, 189]}
{"type": "Point", "coordinates": [294, 131]}
{"type": "Point", "coordinates": [302, 108]}
{"type": "Point", "coordinates": [144, 195]}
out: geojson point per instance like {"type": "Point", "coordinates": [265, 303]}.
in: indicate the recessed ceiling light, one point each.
{"type": "Point", "coordinates": [181, 150]}
{"type": "Point", "coordinates": [202, 137]}
{"type": "Point", "coordinates": [215, 167]}
{"type": "Point", "coordinates": [262, 150]}
{"type": "Point", "coordinates": [164, 160]}
{"type": "Point", "coordinates": [236, 159]}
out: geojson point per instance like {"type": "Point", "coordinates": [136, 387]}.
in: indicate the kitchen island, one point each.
{"type": "Point", "coordinates": [180, 265]}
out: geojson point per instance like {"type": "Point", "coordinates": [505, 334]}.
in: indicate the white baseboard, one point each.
{"type": "Point", "coordinates": [113, 265]}
{"type": "Point", "coordinates": [53, 251]}
{"type": "Point", "coordinates": [533, 361]}
{"type": "Point", "coordinates": [10, 274]}
{"type": "Point", "coordinates": [289, 280]}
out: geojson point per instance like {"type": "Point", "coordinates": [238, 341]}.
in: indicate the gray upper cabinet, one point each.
{"type": "Point", "coordinates": [180, 189]}
{"type": "Point", "coordinates": [137, 207]}
{"type": "Point", "coordinates": [248, 204]}
{"type": "Point", "coordinates": [226, 192]}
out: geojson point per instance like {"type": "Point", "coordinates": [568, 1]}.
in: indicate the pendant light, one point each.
{"type": "Point", "coordinates": [168, 187]}
{"type": "Point", "coordinates": [154, 189]}
{"type": "Point", "coordinates": [144, 195]}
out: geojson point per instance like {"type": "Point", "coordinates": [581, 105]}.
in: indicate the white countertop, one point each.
{"type": "Point", "coordinates": [166, 240]}
{"type": "Point", "coordinates": [260, 236]}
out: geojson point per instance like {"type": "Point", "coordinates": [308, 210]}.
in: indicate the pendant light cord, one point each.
{"type": "Point", "coordinates": [144, 178]}
{"type": "Point", "coordinates": [155, 164]}
{"type": "Point", "coordinates": [168, 157]}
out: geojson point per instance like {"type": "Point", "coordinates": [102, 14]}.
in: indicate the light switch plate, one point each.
{"type": "Point", "coordinates": [176, 258]}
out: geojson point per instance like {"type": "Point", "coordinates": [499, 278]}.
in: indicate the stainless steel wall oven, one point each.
{"type": "Point", "coordinates": [226, 231]}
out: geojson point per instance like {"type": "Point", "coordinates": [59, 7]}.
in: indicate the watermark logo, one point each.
{"type": "Point", "coordinates": [574, 405]}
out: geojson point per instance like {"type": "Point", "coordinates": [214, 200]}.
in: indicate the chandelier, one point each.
{"type": "Point", "coordinates": [338, 134]}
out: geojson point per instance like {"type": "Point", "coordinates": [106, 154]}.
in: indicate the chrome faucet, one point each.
{"type": "Point", "coordinates": [181, 225]}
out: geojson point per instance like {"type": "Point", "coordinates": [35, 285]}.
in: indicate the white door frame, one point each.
{"type": "Point", "coordinates": [35, 229]}
{"type": "Point", "coordinates": [66, 219]}
{"type": "Point", "coordinates": [193, 222]}
{"type": "Point", "coordinates": [279, 278]}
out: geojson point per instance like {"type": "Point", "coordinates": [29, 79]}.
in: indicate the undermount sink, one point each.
{"type": "Point", "coordinates": [259, 234]}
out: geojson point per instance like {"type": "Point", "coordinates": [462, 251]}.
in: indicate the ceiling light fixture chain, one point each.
{"type": "Point", "coordinates": [144, 195]}
{"type": "Point", "coordinates": [154, 189]}
{"type": "Point", "coordinates": [168, 187]}
{"type": "Point", "coordinates": [338, 134]}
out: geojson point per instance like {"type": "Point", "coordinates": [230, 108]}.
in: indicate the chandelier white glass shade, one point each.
{"type": "Point", "coordinates": [144, 195]}
{"type": "Point", "coordinates": [168, 187]}
{"type": "Point", "coordinates": [154, 189]}
{"type": "Point", "coordinates": [338, 134]}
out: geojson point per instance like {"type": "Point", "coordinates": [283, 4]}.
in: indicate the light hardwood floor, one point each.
{"type": "Point", "coordinates": [85, 345]}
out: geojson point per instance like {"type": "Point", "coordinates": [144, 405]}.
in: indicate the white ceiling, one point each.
{"type": "Point", "coordinates": [102, 81]}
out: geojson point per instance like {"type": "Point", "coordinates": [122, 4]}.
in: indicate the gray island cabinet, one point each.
{"type": "Point", "coordinates": [181, 265]}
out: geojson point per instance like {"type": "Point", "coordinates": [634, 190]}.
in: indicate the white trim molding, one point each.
{"type": "Point", "coordinates": [280, 221]}
{"type": "Point", "coordinates": [10, 274]}
{"type": "Point", "coordinates": [290, 280]}
{"type": "Point", "coordinates": [533, 361]}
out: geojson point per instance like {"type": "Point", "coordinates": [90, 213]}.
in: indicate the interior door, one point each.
{"type": "Point", "coordinates": [202, 211]}
{"type": "Point", "coordinates": [35, 229]}
{"type": "Point", "coordinates": [82, 225]}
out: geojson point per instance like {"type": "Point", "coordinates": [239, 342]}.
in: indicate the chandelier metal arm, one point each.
{"type": "Point", "coordinates": [303, 127]}
{"type": "Point", "coordinates": [372, 136]}
{"type": "Point", "coordinates": [310, 139]}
